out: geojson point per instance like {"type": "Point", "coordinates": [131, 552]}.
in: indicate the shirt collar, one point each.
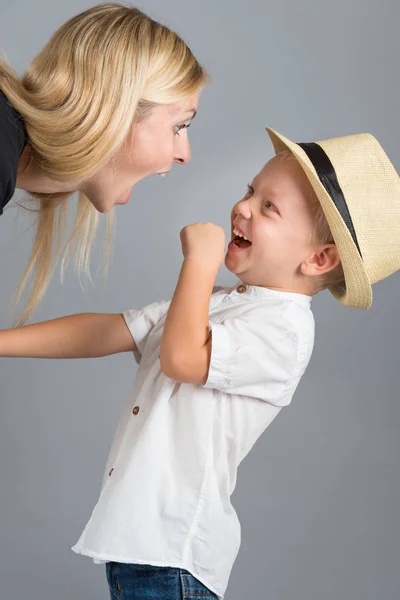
{"type": "Point", "coordinates": [256, 292]}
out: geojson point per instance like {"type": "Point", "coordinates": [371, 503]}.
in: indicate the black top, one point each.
{"type": "Point", "coordinates": [12, 143]}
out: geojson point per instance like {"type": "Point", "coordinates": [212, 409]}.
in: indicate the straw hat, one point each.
{"type": "Point", "coordinates": [359, 191]}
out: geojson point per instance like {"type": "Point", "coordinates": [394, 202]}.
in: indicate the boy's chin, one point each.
{"type": "Point", "coordinates": [229, 265]}
{"type": "Point", "coordinates": [234, 269]}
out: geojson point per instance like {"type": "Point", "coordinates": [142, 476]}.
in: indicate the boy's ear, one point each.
{"type": "Point", "coordinates": [325, 259]}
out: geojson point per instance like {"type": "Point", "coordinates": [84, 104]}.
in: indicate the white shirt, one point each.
{"type": "Point", "coordinates": [165, 498]}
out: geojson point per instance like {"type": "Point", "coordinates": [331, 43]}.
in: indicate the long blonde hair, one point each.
{"type": "Point", "coordinates": [101, 71]}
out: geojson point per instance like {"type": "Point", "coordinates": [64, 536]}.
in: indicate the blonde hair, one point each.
{"type": "Point", "coordinates": [333, 279]}
{"type": "Point", "coordinates": [100, 72]}
{"type": "Point", "coordinates": [321, 234]}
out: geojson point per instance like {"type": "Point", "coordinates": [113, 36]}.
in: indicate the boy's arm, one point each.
{"type": "Point", "coordinates": [186, 341]}
{"type": "Point", "coordinates": [87, 335]}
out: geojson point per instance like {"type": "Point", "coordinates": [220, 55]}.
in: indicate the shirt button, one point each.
{"type": "Point", "coordinates": [135, 410]}
{"type": "Point", "coordinates": [241, 289]}
{"type": "Point", "coordinates": [110, 473]}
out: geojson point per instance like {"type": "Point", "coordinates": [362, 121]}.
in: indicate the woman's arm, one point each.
{"type": "Point", "coordinates": [87, 335]}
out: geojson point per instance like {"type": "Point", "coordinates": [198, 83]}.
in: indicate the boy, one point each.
{"type": "Point", "coordinates": [216, 368]}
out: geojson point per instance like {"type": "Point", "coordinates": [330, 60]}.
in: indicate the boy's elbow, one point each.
{"type": "Point", "coordinates": [179, 369]}
{"type": "Point", "coordinates": [167, 366]}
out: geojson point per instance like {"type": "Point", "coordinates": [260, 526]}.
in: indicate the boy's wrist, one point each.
{"type": "Point", "coordinates": [201, 266]}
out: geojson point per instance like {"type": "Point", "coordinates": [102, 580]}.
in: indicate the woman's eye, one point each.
{"type": "Point", "coordinates": [179, 128]}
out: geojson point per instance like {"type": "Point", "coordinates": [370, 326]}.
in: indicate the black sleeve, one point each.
{"type": "Point", "coordinates": [12, 143]}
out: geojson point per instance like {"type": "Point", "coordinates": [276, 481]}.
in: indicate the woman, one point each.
{"type": "Point", "coordinates": [106, 103]}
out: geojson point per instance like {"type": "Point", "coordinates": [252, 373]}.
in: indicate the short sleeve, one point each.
{"type": "Point", "coordinates": [140, 322]}
{"type": "Point", "coordinates": [12, 143]}
{"type": "Point", "coordinates": [256, 356]}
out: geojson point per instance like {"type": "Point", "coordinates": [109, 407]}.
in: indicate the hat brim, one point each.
{"type": "Point", "coordinates": [358, 291]}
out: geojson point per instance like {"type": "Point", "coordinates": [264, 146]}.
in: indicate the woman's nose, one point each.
{"type": "Point", "coordinates": [182, 149]}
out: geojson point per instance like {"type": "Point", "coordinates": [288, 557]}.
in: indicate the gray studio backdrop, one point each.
{"type": "Point", "coordinates": [318, 495]}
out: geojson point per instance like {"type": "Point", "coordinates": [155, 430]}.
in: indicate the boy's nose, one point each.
{"type": "Point", "coordinates": [242, 208]}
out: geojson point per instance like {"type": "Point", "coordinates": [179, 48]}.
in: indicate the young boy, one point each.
{"type": "Point", "coordinates": [216, 368]}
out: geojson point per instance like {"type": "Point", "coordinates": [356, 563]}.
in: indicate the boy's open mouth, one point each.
{"type": "Point", "coordinates": [239, 239]}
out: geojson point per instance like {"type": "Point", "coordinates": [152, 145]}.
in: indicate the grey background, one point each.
{"type": "Point", "coordinates": [318, 494]}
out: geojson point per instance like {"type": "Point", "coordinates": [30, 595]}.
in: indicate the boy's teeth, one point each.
{"type": "Point", "coordinates": [236, 232]}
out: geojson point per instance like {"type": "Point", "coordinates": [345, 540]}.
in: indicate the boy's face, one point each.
{"type": "Point", "coordinates": [274, 215]}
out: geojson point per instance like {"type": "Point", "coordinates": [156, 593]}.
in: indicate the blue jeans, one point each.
{"type": "Point", "coordinates": [147, 582]}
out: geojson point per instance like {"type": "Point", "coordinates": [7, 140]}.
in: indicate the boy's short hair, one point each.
{"type": "Point", "coordinates": [321, 235]}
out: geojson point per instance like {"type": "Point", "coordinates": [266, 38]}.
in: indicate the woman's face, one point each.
{"type": "Point", "coordinates": [156, 142]}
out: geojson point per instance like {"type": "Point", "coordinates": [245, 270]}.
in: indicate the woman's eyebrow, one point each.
{"type": "Point", "coordinates": [193, 111]}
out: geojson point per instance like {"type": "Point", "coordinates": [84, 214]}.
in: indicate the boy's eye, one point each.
{"type": "Point", "coordinates": [250, 189]}
{"type": "Point", "coordinates": [270, 206]}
